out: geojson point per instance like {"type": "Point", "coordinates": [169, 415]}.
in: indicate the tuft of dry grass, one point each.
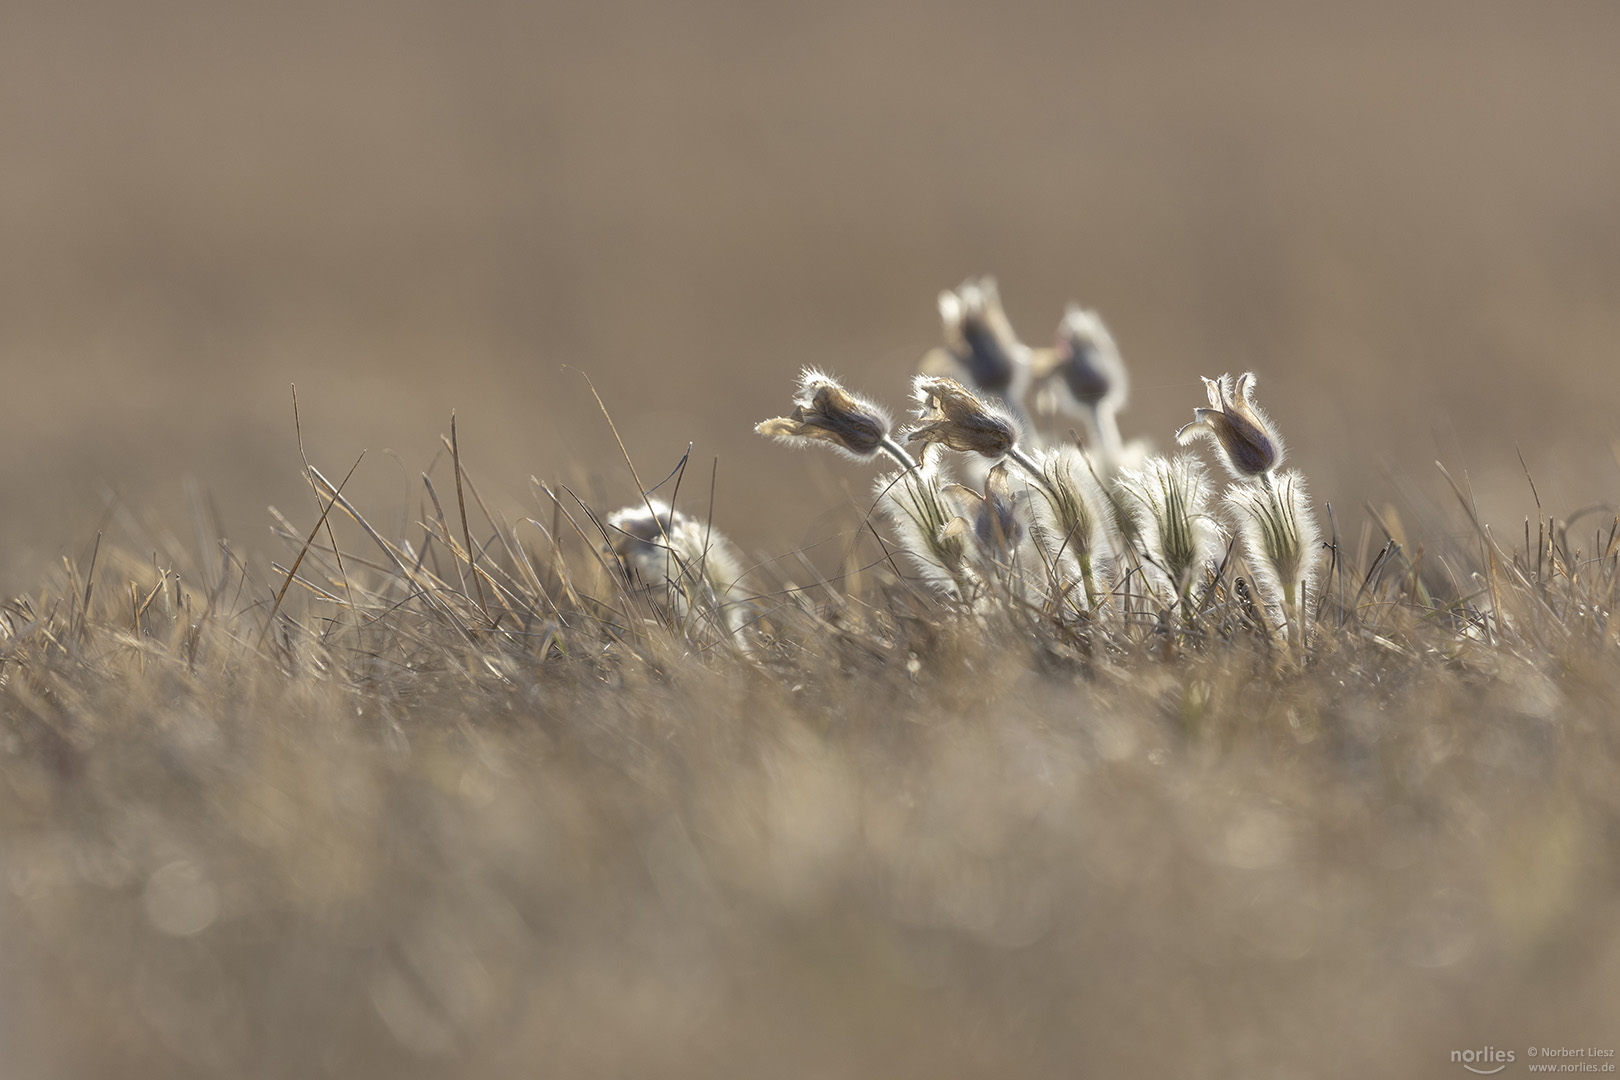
{"type": "Point", "coordinates": [472, 797]}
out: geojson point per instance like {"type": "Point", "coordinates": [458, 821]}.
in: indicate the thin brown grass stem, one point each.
{"type": "Point", "coordinates": [461, 501]}
{"type": "Point", "coordinates": [641, 488]}
{"type": "Point", "coordinates": [393, 554]}
{"type": "Point", "coordinates": [89, 588]}
{"type": "Point", "coordinates": [298, 432]}
{"type": "Point", "coordinates": [508, 541]}
{"type": "Point", "coordinates": [282, 595]}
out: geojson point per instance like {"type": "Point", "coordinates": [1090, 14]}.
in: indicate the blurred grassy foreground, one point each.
{"type": "Point", "coordinates": [383, 840]}
{"type": "Point", "coordinates": [890, 840]}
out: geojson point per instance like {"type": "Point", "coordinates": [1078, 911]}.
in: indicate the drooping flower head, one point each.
{"type": "Point", "coordinates": [825, 413]}
{"type": "Point", "coordinates": [1085, 362]}
{"type": "Point", "coordinates": [1247, 441]}
{"type": "Point", "coordinates": [981, 348]}
{"type": "Point", "coordinates": [1084, 376]}
{"type": "Point", "coordinates": [951, 415]}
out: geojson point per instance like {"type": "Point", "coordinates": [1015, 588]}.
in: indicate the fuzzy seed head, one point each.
{"type": "Point", "coordinates": [1247, 441]}
{"type": "Point", "coordinates": [827, 414]}
{"type": "Point", "coordinates": [951, 415]}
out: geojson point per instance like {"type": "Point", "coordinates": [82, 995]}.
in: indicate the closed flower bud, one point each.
{"type": "Point", "coordinates": [981, 348]}
{"type": "Point", "coordinates": [991, 516]}
{"type": "Point", "coordinates": [826, 413]}
{"type": "Point", "coordinates": [1247, 442]}
{"type": "Point", "coordinates": [1085, 362]}
{"type": "Point", "coordinates": [952, 416]}
{"type": "Point", "coordinates": [1084, 376]}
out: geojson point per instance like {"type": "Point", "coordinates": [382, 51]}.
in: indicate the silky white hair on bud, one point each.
{"type": "Point", "coordinates": [826, 414]}
{"type": "Point", "coordinates": [1168, 501]}
{"type": "Point", "coordinates": [924, 518]}
{"type": "Point", "coordinates": [1280, 541]}
{"type": "Point", "coordinates": [1073, 526]}
{"type": "Point", "coordinates": [679, 562]}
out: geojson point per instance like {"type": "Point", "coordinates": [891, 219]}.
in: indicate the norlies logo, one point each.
{"type": "Point", "coordinates": [1485, 1056]}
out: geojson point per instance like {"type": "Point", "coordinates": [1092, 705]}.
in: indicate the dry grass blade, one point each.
{"type": "Point", "coordinates": [466, 534]}
{"type": "Point", "coordinates": [298, 433]}
{"type": "Point", "coordinates": [310, 539]}
{"type": "Point", "coordinates": [406, 573]}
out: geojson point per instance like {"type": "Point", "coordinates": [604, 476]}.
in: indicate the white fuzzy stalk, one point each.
{"type": "Point", "coordinates": [1280, 543]}
{"type": "Point", "coordinates": [1072, 526]}
{"type": "Point", "coordinates": [922, 515]}
{"type": "Point", "coordinates": [1168, 500]}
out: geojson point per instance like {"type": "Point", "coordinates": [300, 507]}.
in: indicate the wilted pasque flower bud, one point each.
{"type": "Point", "coordinates": [953, 416]}
{"type": "Point", "coordinates": [1248, 442]}
{"type": "Point", "coordinates": [825, 412]}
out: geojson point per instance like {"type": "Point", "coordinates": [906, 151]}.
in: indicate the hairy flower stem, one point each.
{"type": "Point", "coordinates": [1109, 443]}
{"type": "Point", "coordinates": [1027, 463]}
{"type": "Point", "coordinates": [1090, 579]}
{"type": "Point", "coordinates": [1294, 627]}
{"type": "Point", "coordinates": [1030, 467]}
{"type": "Point", "coordinates": [897, 452]}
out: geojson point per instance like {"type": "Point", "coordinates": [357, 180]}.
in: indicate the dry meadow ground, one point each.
{"type": "Point", "coordinates": [522, 822]}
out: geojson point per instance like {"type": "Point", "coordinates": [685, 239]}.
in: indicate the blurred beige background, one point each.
{"type": "Point", "coordinates": [1403, 216]}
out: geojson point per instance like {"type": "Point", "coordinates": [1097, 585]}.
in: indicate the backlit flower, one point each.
{"type": "Point", "coordinates": [1247, 442]}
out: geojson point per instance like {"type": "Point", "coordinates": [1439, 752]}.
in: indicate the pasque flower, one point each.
{"type": "Point", "coordinates": [981, 348]}
{"type": "Point", "coordinates": [1247, 443]}
{"type": "Point", "coordinates": [827, 414]}
{"type": "Point", "coordinates": [1084, 375]}
{"type": "Point", "coordinates": [953, 416]}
